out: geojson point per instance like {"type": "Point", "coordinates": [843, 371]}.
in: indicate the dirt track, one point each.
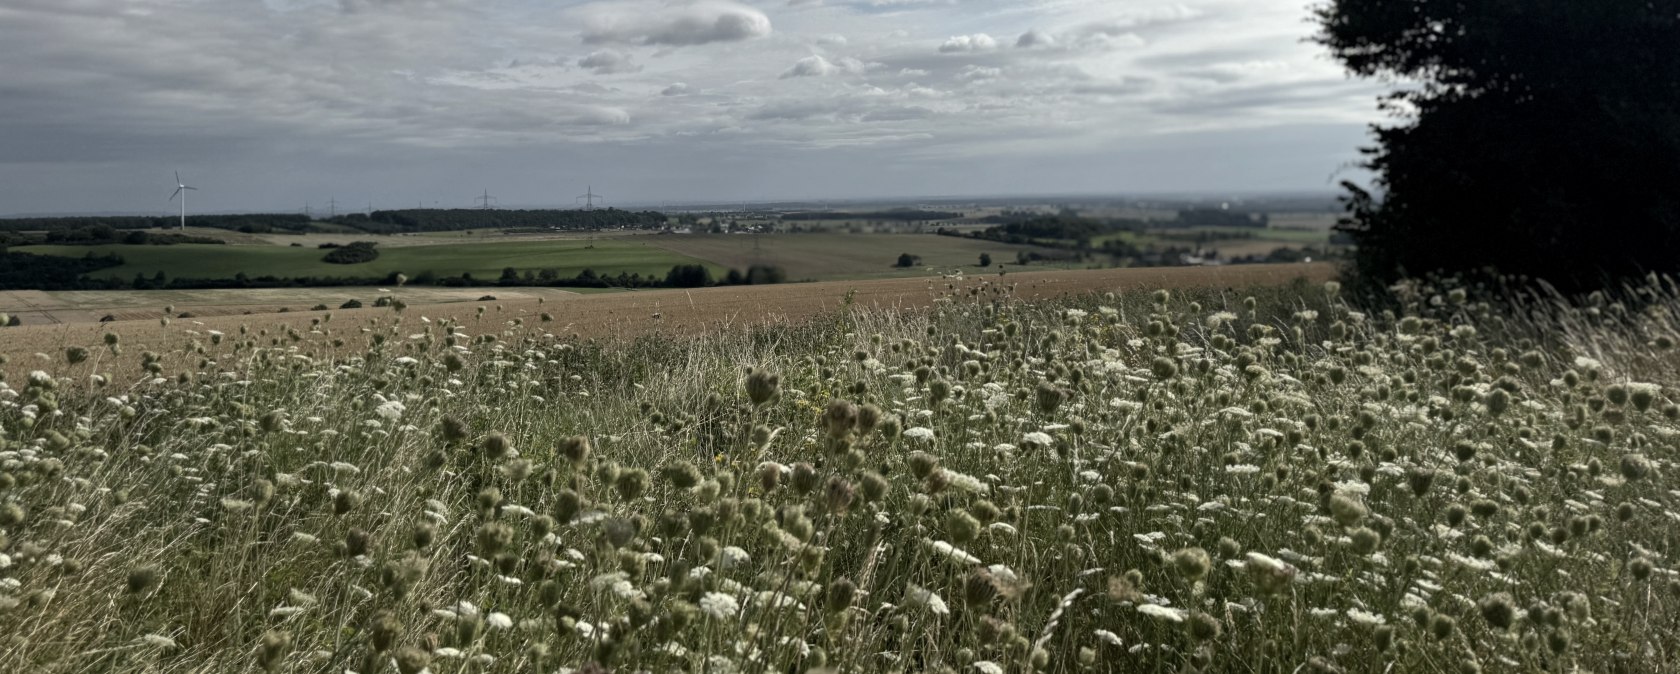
{"type": "Point", "coordinates": [619, 314]}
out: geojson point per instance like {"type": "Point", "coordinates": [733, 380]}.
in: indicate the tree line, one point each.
{"type": "Point", "coordinates": [402, 221]}
{"type": "Point", "coordinates": [242, 222]}
{"type": "Point", "coordinates": [895, 215]}
{"type": "Point", "coordinates": [457, 219]}
{"type": "Point", "coordinates": [28, 271]}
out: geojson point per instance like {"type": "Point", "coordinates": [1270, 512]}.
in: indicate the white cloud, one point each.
{"type": "Point", "coordinates": [817, 66]}
{"type": "Point", "coordinates": [609, 62]}
{"type": "Point", "coordinates": [683, 24]}
{"type": "Point", "coordinates": [108, 88]}
{"type": "Point", "coordinates": [968, 43]}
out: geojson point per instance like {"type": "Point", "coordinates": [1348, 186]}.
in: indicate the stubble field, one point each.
{"type": "Point", "coordinates": [617, 314]}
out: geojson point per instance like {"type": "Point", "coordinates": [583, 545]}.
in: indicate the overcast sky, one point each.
{"type": "Point", "coordinates": [269, 104]}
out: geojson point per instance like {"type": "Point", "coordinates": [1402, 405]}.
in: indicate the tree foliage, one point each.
{"type": "Point", "coordinates": [1539, 137]}
{"type": "Point", "coordinates": [450, 220]}
{"type": "Point", "coordinates": [355, 252]}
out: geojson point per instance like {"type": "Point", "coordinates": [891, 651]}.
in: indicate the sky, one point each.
{"type": "Point", "coordinates": [275, 104]}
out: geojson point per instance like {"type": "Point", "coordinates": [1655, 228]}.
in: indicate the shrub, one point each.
{"type": "Point", "coordinates": [351, 304]}
{"type": "Point", "coordinates": [688, 276]}
{"type": "Point", "coordinates": [908, 260]}
{"type": "Point", "coordinates": [355, 253]}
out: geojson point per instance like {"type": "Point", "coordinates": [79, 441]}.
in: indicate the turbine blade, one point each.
{"type": "Point", "coordinates": [175, 194]}
{"type": "Point", "coordinates": [177, 177]}
{"type": "Point", "coordinates": [185, 187]}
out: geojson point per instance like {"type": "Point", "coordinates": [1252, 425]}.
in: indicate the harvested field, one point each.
{"type": "Point", "coordinates": [40, 347]}
{"type": "Point", "coordinates": [88, 306]}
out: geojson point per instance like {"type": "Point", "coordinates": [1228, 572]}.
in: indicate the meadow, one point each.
{"type": "Point", "coordinates": [829, 256]}
{"type": "Point", "coordinates": [1259, 480]}
{"type": "Point", "coordinates": [484, 260]}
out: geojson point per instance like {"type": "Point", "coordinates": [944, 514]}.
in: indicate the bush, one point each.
{"type": "Point", "coordinates": [908, 260]}
{"type": "Point", "coordinates": [320, 307]}
{"type": "Point", "coordinates": [487, 298]}
{"type": "Point", "coordinates": [762, 274]}
{"type": "Point", "coordinates": [351, 304]}
{"type": "Point", "coordinates": [355, 253]}
{"type": "Point", "coordinates": [688, 276]}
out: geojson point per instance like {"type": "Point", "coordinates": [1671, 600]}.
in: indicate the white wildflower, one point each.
{"type": "Point", "coordinates": [923, 597]}
{"type": "Point", "coordinates": [719, 605]}
{"type": "Point", "coordinates": [1166, 613]}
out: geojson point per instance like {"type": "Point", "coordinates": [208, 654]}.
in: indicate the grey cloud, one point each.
{"type": "Point", "coordinates": [1035, 38]}
{"type": "Point", "coordinates": [292, 98]}
{"type": "Point", "coordinates": [602, 116]}
{"type": "Point", "coordinates": [897, 114]}
{"type": "Point", "coordinates": [1121, 30]}
{"type": "Point", "coordinates": [694, 23]}
{"type": "Point", "coordinates": [609, 62]}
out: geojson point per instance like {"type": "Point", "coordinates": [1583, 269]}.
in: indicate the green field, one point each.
{"type": "Point", "coordinates": [482, 260]}
{"type": "Point", "coordinates": [828, 256]}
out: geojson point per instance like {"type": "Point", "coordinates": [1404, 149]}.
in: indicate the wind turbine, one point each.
{"type": "Point", "coordinates": [180, 191]}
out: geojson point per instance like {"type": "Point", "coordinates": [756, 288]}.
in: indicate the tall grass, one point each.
{"type": "Point", "coordinates": [1203, 481]}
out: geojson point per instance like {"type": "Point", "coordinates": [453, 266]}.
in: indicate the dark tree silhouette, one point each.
{"type": "Point", "coordinates": [1538, 138]}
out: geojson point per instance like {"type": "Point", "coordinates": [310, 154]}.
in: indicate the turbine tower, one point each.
{"type": "Point", "coordinates": [589, 196]}
{"type": "Point", "coordinates": [180, 191]}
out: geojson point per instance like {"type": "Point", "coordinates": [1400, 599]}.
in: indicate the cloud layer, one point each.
{"type": "Point", "coordinates": [287, 101]}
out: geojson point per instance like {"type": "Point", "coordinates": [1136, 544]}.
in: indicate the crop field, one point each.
{"type": "Point", "coordinates": [1259, 479]}
{"type": "Point", "coordinates": [618, 314]}
{"type": "Point", "coordinates": [829, 256]}
{"type": "Point", "coordinates": [484, 260]}
{"type": "Point", "coordinates": [86, 306]}
{"type": "Point", "coordinates": [1243, 241]}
